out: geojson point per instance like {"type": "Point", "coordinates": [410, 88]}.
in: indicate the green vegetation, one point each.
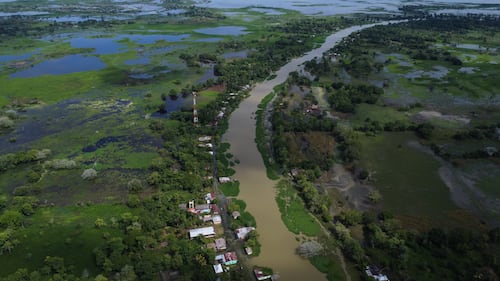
{"type": "Point", "coordinates": [330, 266]}
{"type": "Point", "coordinates": [293, 211]}
{"type": "Point", "coordinates": [230, 189]}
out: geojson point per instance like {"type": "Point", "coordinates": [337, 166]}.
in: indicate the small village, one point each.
{"type": "Point", "coordinates": [214, 231]}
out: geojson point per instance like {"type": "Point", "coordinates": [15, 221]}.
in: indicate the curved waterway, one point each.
{"type": "Point", "coordinates": [278, 244]}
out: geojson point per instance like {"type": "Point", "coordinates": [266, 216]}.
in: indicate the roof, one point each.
{"type": "Point", "coordinates": [220, 244]}
{"type": "Point", "coordinates": [218, 268]}
{"type": "Point", "coordinates": [217, 219]}
{"type": "Point", "coordinates": [230, 256]}
{"type": "Point", "coordinates": [242, 233]}
{"type": "Point", "coordinates": [202, 207]}
{"type": "Point", "coordinates": [215, 208]}
{"type": "Point", "coordinates": [204, 231]}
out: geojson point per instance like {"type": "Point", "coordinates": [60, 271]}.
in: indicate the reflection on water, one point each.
{"type": "Point", "coordinates": [64, 65]}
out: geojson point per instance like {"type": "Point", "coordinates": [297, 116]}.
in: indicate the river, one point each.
{"type": "Point", "coordinates": [278, 244]}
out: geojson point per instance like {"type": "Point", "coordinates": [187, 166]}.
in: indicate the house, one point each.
{"type": "Point", "coordinates": [216, 219]}
{"type": "Point", "coordinates": [220, 244]}
{"type": "Point", "coordinates": [242, 233]}
{"type": "Point", "coordinates": [224, 179]}
{"type": "Point", "coordinates": [374, 272]}
{"type": "Point", "coordinates": [204, 231]}
{"type": "Point", "coordinates": [214, 208]}
{"type": "Point", "coordinates": [230, 258]}
{"type": "Point", "coordinates": [248, 251]}
{"type": "Point", "coordinates": [202, 209]}
{"type": "Point", "coordinates": [209, 197]}
{"type": "Point", "coordinates": [205, 138]}
{"type": "Point", "coordinates": [236, 214]}
{"type": "Point", "coordinates": [218, 268]}
{"type": "Point", "coordinates": [260, 275]}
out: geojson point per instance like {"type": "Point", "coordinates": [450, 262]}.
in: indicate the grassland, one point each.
{"type": "Point", "coordinates": [293, 212]}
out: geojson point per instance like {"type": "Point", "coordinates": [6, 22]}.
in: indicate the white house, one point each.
{"type": "Point", "coordinates": [204, 231]}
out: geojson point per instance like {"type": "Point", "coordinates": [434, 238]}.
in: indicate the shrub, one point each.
{"type": "Point", "coordinates": [6, 122]}
{"type": "Point", "coordinates": [89, 174]}
{"type": "Point", "coordinates": [60, 164]}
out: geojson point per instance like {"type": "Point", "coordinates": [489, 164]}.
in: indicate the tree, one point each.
{"type": "Point", "coordinates": [375, 196]}
{"type": "Point", "coordinates": [310, 249]}
{"type": "Point", "coordinates": [100, 277]}
{"type": "Point", "coordinates": [11, 218]}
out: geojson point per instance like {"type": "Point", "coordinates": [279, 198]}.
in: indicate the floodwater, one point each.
{"type": "Point", "coordinates": [64, 65]}
{"type": "Point", "coordinates": [335, 7]}
{"type": "Point", "coordinates": [278, 244]}
{"type": "Point", "coordinates": [223, 30]}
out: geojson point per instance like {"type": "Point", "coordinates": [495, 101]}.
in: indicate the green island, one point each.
{"type": "Point", "coordinates": [114, 163]}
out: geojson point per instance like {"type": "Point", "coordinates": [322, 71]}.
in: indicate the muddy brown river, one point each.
{"type": "Point", "coordinates": [278, 244]}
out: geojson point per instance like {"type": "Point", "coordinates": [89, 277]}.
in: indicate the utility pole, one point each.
{"type": "Point", "coordinates": [195, 111]}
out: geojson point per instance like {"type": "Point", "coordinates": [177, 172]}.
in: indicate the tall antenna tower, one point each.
{"type": "Point", "coordinates": [195, 111]}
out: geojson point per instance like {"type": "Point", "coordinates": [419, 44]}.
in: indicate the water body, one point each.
{"type": "Point", "coordinates": [223, 30]}
{"type": "Point", "coordinates": [112, 45]}
{"type": "Point", "coordinates": [64, 65]}
{"type": "Point", "coordinates": [333, 7]}
{"type": "Point", "coordinates": [278, 244]}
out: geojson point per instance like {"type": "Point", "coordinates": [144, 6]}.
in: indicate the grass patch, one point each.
{"type": "Point", "coordinates": [230, 189]}
{"type": "Point", "coordinates": [293, 212]}
{"type": "Point", "coordinates": [405, 175]}
{"type": "Point", "coordinates": [377, 113]}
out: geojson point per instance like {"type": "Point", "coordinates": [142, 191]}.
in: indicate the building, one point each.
{"type": "Point", "coordinates": [236, 215]}
{"type": "Point", "coordinates": [205, 138]}
{"type": "Point", "coordinates": [218, 268]}
{"type": "Point", "coordinates": [230, 258]}
{"type": "Point", "coordinates": [214, 208]}
{"type": "Point", "coordinates": [242, 233]}
{"type": "Point", "coordinates": [202, 209]}
{"type": "Point", "coordinates": [375, 273]}
{"type": "Point", "coordinates": [260, 275]}
{"type": "Point", "coordinates": [248, 251]}
{"type": "Point", "coordinates": [204, 231]}
{"type": "Point", "coordinates": [216, 219]}
{"type": "Point", "coordinates": [209, 197]}
{"type": "Point", "coordinates": [220, 244]}
{"type": "Point", "coordinates": [224, 179]}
